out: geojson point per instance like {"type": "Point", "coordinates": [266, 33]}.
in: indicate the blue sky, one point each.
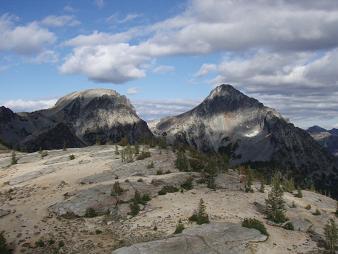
{"type": "Point", "coordinates": [166, 56]}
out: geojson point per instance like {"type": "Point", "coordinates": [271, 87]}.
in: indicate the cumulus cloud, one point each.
{"type": "Point", "coordinates": [29, 105]}
{"type": "Point", "coordinates": [23, 39]}
{"type": "Point", "coordinates": [129, 17]}
{"type": "Point", "coordinates": [116, 63]}
{"type": "Point", "coordinates": [59, 21]}
{"type": "Point", "coordinates": [161, 69]}
{"type": "Point", "coordinates": [47, 56]}
{"type": "Point", "coordinates": [206, 69]}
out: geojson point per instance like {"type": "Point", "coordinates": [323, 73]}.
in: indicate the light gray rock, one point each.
{"type": "Point", "coordinates": [214, 238]}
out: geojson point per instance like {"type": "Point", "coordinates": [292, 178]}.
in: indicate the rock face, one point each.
{"type": "Point", "coordinates": [327, 138]}
{"type": "Point", "coordinates": [229, 121]}
{"type": "Point", "coordinates": [77, 120]}
{"type": "Point", "coordinates": [212, 238]}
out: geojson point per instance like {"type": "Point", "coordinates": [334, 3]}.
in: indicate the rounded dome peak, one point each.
{"type": "Point", "coordinates": [86, 95]}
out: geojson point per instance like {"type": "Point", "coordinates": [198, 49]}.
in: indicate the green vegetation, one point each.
{"type": "Point", "coordinates": [293, 205]}
{"type": "Point", "coordinates": [40, 243]}
{"type": "Point", "coordinates": [14, 159]}
{"type": "Point", "coordinates": [256, 224]}
{"type": "Point", "coordinates": [61, 244]}
{"type": "Point", "coordinates": [150, 165]}
{"type": "Point", "coordinates": [289, 185]}
{"type": "Point", "coordinates": [117, 150]}
{"type": "Point", "coordinates": [249, 180]}
{"type": "Point", "coordinates": [43, 153]}
{"type": "Point", "coordinates": [200, 216]}
{"type": "Point", "coordinates": [143, 155]}
{"type": "Point", "coordinates": [288, 226]}
{"type": "Point", "coordinates": [90, 213]}
{"type": "Point", "coordinates": [117, 190]}
{"type": "Point", "coordinates": [179, 227]}
{"type": "Point", "coordinates": [182, 163]}
{"type": "Point", "coordinates": [336, 210]}
{"type": "Point", "coordinates": [124, 141]}
{"type": "Point", "coordinates": [275, 204]}
{"type": "Point", "coordinates": [299, 193]}
{"type": "Point", "coordinates": [4, 248]}
{"type": "Point", "coordinates": [167, 189]}
{"type": "Point", "coordinates": [317, 212]}
{"type": "Point", "coordinates": [262, 187]}
{"type": "Point", "coordinates": [134, 209]}
{"type": "Point", "coordinates": [331, 236]}
{"type": "Point", "coordinates": [136, 201]}
{"type": "Point", "coordinates": [137, 149]}
{"type": "Point", "coordinates": [72, 157]}
{"type": "Point", "coordinates": [98, 231]}
{"type": "Point", "coordinates": [308, 207]}
{"type": "Point", "coordinates": [187, 185]}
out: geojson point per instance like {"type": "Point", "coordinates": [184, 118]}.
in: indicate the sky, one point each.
{"type": "Point", "coordinates": [166, 56]}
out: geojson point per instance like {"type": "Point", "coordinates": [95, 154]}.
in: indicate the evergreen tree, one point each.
{"type": "Point", "coordinates": [249, 179]}
{"type": "Point", "coordinates": [137, 149]}
{"type": "Point", "coordinates": [262, 188]}
{"type": "Point", "coordinates": [299, 193]}
{"type": "Point", "coordinates": [182, 163]}
{"type": "Point", "coordinates": [117, 190]}
{"type": "Point", "coordinates": [331, 236]}
{"type": "Point", "coordinates": [117, 150]}
{"type": "Point", "coordinates": [275, 204]}
{"type": "Point", "coordinates": [200, 216]}
{"type": "Point", "coordinates": [14, 159]}
{"type": "Point", "coordinates": [289, 185]}
{"type": "Point", "coordinates": [337, 210]}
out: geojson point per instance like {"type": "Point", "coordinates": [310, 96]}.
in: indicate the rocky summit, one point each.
{"type": "Point", "coordinates": [229, 122]}
{"type": "Point", "coordinates": [78, 119]}
{"type": "Point", "coordinates": [327, 138]}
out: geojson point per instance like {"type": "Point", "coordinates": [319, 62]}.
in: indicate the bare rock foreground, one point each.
{"type": "Point", "coordinates": [43, 200]}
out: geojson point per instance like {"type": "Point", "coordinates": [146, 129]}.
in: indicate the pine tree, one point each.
{"type": "Point", "coordinates": [201, 216]}
{"type": "Point", "coordinates": [14, 159]}
{"type": "Point", "coordinates": [331, 235]}
{"type": "Point", "coordinates": [275, 204]}
{"type": "Point", "coordinates": [262, 188]}
{"type": "Point", "coordinates": [117, 190]}
{"type": "Point", "coordinates": [137, 149]}
{"type": "Point", "coordinates": [182, 163]}
{"type": "Point", "coordinates": [117, 150]}
{"type": "Point", "coordinates": [299, 193]}
{"type": "Point", "coordinates": [249, 179]}
{"type": "Point", "coordinates": [337, 210]}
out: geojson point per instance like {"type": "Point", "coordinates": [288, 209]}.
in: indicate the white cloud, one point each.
{"type": "Point", "coordinates": [114, 19]}
{"type": "Point", "coordinates": [206, 69]}
{"type": "Point", "coordinates": [161, 69]}
{"type": "Point", "coordinates": [23, 39]}
{"type": "Point", "coordinates": [133, 90]}
{"type": "Point", "coordinates": [69, 8]}
{"type": "Point", "coordinates": [47, 56]}
{"type": "Point", "coordinates": [117, 63]}
{"type": "Point", "coordinates": [59, 21]}
{"type": "Point", "coordinates": [29, 105]}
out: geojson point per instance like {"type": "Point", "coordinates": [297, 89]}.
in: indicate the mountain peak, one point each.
{"type": "Point", "coordinates": [316, 129]}
{"type": "Point", "coordinates": [224, 90]}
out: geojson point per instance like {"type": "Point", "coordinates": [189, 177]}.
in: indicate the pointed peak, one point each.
{"type": "Point", "coordinates": [316, 129]}
{"type": "Point", "coordinates": [224, 90]}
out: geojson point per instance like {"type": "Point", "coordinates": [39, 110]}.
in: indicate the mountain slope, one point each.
{"type": "Point", "coordinates": [76, 120]}
{"type": "Point", "coordinates": [327, 138]}
{"type": "Point", "coordinates": [231, 122]}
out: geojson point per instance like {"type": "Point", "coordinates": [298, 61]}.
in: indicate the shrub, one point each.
{"type": "Point", "coordinates": [51, 241]}
{"type": "Point", "coordinates": [336, 213]}
{"type": "Point", "coordinates": [299, 193]}
{"type": "Point", "coordinates": [117, 190]}
{"type": "Point", "coordinates": [317, 212]}
{"type": "Point", "coordinates": [124, 141]}
{"type": "Point", "coordinates": [289, 185]}
{"type": "Point", "coordinates": [179, 227]}
{"type": "Point", "coordinates": [262, 188]}
{"type": "Point", "coordinates": [256, 224]}
{"type": "Point", "coordinates": [98, 231]}
{"type": "Point", "coordinates": [159, 172]}
{"type": "Point", "coordinates": [308, 207]}
{"type": "Point", "coordinates": [275, 204]}
{"type": "Point", "coordinates": [293, 204]}
{"type": "Point", "coordinates": [4, 248]}
{"type": "Point", "coordinates": [134, 209]}
{"type": "Point", "coordinates": [288, 226]}
{"type": "Point", "coordinates": [72, 157]}
{"type": "Point", "coordinates": [90, 213]}
{"type": "Point", "coordinates": [200, 216]}
{"type": "Point", "coordinates": [150, 165]}
{"type": "Point", "coordinates": [43, 154]}
{"type": "Point", "coordinates": [14, 159]}
{"type": "Point", "coordinates": [167, 189]}
{"type": "Point", "coordinates": [117, 150]}
{"type": "Point", "coordinates": [167, 172]}
{"type": "Point", "coordinates": [196, 165]}
{"type": "Point", "coordinates": [187, 185]}
{"type": "Point", "coordinates": [61, 244]}
{"type": "Point", "coordinates": [140, 180]}
{"type": "Point", "coordinates": [40, 243]}
{"type": "Point", "coordinates": [211, 183]}
{"type": "Point", "coordinates": [143, 155]}
{"type": "Point", "coordinates": [331, 236]}
{"type": "Point", "coordinates": [182, 163]}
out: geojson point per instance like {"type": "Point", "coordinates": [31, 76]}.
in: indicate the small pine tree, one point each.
{"type": "Point", "coordinates": [331, 236]}
{"type": "Point", "coordinates": [275, 204]}
{"type": "Point", "coordinates": [137, 149]}
{"type": "Point", "coordinates": [299, 193]}
{"type": "Point", "coordinates": [289, 185]}
{"type": "Point", "coordinates": [337, 210]}
{"type": "Point", "coordinates": [179, 227]}
{"type": "Point", "coordinates": [14, 159]}
{"type": "Point", "coordinates": [117, 150]}
{"type": "Point", "coordinates": [123, 156]}
{"type": "Point", "coordinates": [262, 188]}
{"type": "Point", "coordinates": [117, 190]}
{"type": "Point", "coordinates": [201, 216]}
{"type": "Point", "coordinates": [248, 183]}
{"type": "Point", "coordinates": [182, 162]}
{"type": "Point", "coordinates": [4, 249]}
{"type": "Point", "coordinates": [64, 146]}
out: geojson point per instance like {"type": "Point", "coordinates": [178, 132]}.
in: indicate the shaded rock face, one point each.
{"type": "Point", "coordinates": [77, 120]}
{"type": "Point", "coordinates": [212, 238]}
{"type": "Point", "coordinates": [230, 122]}
{"type": "Point", "coordinates": [327, 138]}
